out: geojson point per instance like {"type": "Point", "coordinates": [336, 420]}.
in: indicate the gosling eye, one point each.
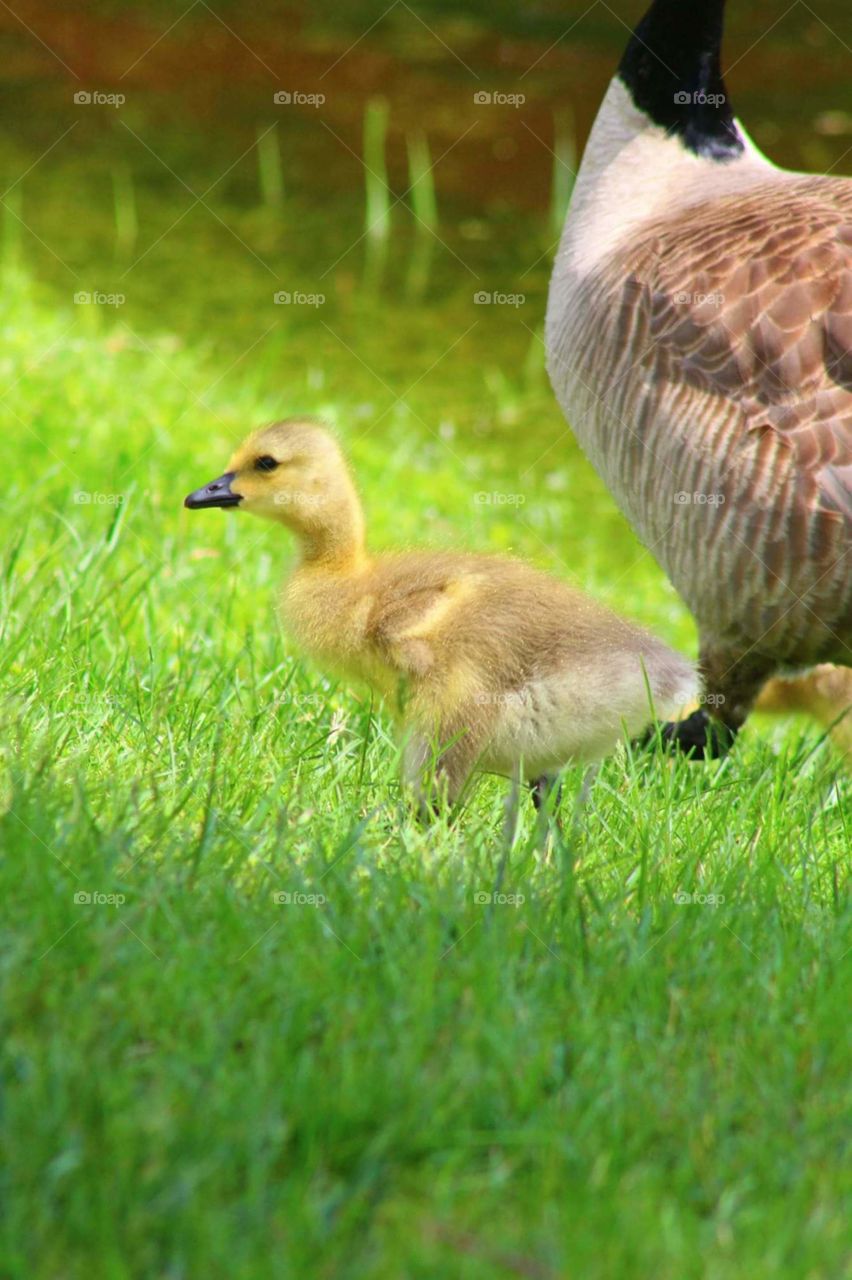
{"type": "Point", "coordinates": [265, 463]}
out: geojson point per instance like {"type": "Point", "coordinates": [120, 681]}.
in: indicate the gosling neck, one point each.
{"type": "Point", "coordinates": [335, 539]}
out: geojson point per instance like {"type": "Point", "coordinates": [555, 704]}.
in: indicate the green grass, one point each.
{"type": "Point", "coordinates": [398, 1080]}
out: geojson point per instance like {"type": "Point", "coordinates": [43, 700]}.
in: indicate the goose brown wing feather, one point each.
{"type": "Point", "coordinates": [762, 319]}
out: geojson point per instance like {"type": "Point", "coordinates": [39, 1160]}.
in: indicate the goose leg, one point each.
{"type": "Point", "coordinates": [731, 682]}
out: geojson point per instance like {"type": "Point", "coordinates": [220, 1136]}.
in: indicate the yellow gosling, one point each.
{"type": "Point", "coordinates": [824, 693]}
{"type": "Point", "coordinates": [485, 663]}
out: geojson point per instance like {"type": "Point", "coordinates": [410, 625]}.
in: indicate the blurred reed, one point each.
{"type": "Point", "coordinates": [124, 210]}
{"type": "Point", "coordinates": [424, 206]}
{"type": "Point", "coordinates": [564, 170]}
{"type": "Point", "coordinates": [270, 172]}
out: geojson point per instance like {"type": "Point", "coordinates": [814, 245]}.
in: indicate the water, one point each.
{"type": "Point", "coordinates": [168, 201]}
{"type": "Point", "coordinates": [198, 95]}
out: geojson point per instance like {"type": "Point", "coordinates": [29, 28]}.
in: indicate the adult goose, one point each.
{"type": "Point", "coordinates": [699, 336]}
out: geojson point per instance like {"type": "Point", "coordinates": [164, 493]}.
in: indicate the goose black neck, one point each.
{"type": "Point", "coordinates": [672, 70]}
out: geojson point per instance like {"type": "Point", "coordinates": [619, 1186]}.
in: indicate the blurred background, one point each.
{"type": "Point", "coordinates": [315, 205]}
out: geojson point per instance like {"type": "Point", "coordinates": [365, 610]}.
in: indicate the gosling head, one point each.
{"type": "Point", "coordinates": [293, 472]}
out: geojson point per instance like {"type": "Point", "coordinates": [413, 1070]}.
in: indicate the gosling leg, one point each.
{"type": "Point", "coordinates": [541, 790]}
{"type": "Point", "coordinates": [437, 775]}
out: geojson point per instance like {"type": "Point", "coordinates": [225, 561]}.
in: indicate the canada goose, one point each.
{"type": "Point", "coordinates": [699, 335]}
{"type": "Point", "coordinates": [496, 663]}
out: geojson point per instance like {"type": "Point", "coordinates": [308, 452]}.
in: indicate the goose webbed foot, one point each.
{"type": "Point", "coordinates": [698, 736]}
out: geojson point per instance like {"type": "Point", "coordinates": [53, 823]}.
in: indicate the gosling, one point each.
{"type": "Point", "coordinates": [486, 663]}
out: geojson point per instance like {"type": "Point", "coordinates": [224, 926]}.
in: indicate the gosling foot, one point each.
{"type": "Point", "coordinates": [541, 789]}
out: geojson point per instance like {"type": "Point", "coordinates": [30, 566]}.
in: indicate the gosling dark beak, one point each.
{"type": "Point", "coordinates": [215, 494]}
